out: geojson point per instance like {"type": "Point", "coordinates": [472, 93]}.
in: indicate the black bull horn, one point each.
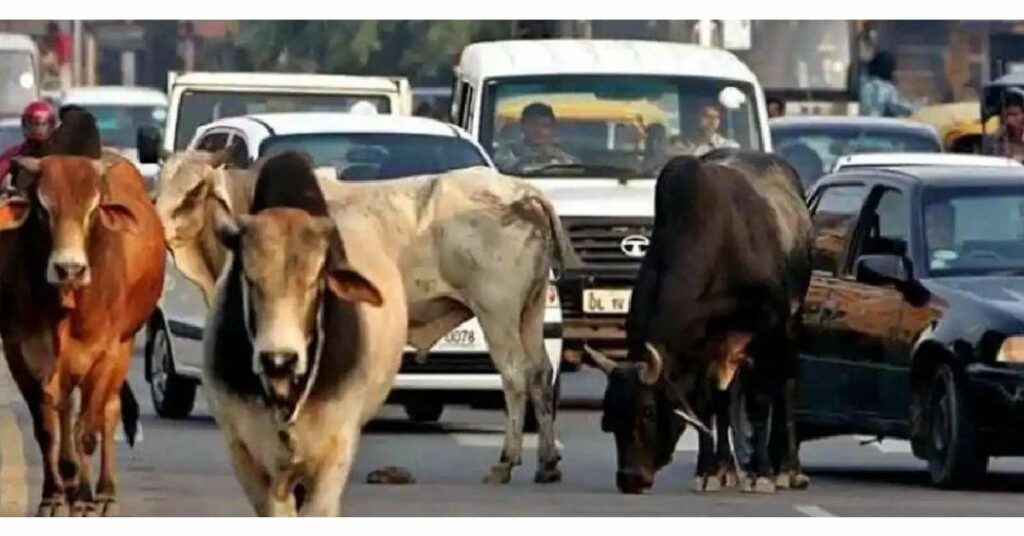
{"type": "Point", "coordinates": [650, 371]}
{"type": "Point", "coordinates": [654, 366]}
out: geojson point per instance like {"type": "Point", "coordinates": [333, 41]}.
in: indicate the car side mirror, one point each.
{"type": "Point", "coordinates": [883, 270]}
{"type": "Point", "coordinates": [148, 140]}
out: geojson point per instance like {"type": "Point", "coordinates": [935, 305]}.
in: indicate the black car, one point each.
{"type": "Point", "coordinates": [813, 144]}
{"type": "Point", "coordinates": [914, 322]}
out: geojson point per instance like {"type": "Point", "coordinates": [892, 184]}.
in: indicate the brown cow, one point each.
{"type": "Point", "coordinates": [85, 272]}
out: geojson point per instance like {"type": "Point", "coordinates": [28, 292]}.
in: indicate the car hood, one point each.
{"type": "Point", "coordinates": [1001, 296]}
{"type": "Point", "coordinates": [599, 197]}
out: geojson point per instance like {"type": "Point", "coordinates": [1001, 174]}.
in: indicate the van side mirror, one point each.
{"type": "Point", "coordinates": [883, 270]}
{"type": "Point", "coordinates": [148, 140]}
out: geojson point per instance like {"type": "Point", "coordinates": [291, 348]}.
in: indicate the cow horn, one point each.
{"type": "Point", "coordinates": [602, 361]}
{"type": "Point", "coordinates": [687, 414]}
{"type": "Point", "coordinates": [652, 366]}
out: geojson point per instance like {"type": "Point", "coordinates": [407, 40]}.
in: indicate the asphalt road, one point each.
{"type": "Point", "coordinates": [181, 469]}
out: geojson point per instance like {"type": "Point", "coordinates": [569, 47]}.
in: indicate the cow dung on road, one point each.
{"type": "Point", "coordinates": [390, 475]}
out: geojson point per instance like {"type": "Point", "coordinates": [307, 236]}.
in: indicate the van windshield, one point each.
{"type": "Point", "coordinates": [17, 82]}
{"type": "Point", "coordinates": [198, 108]}
{"type": "Point", "coordinates": [612, 125]}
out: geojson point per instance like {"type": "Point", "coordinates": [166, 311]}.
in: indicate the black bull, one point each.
{"type": "Point", "coordinates": [717, 296]}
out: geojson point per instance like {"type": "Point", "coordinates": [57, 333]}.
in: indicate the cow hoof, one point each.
{"type": "Point", "coordinates": [390, 475]}
{"type": "Point", "coordinates": [547, 476]}
{"type": "Point", "coordinates": [107, 507]}
{"type": "Point", "coordinates": [729, 479]}
{"type": "Point", "coordinates": [54, 507]}
{"type": "Point", "coordinates": [500, 474]}
{"type": "Point", "coordinates": [798, 480]}
{"type": "Point", "coordinates": [706, 484]}
{"type": "Point", "coordinates": [782, 481]}
{"type": "Point", "coordinates": [764, 485]}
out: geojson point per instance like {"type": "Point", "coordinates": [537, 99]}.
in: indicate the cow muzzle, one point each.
{"type": "Point", "coordinates": [283, 375]}
{"type": "Point", "coordinates": [68, 269]}
{"type": "Point", "coordinates": [633, 482]}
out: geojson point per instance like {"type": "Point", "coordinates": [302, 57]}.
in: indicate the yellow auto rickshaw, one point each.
{"type": "Point", "coordinates": [586, 122]}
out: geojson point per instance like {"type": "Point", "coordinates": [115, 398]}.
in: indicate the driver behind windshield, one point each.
{"type": "Point", "coordinates": [538, 148]}
{"type": "Point", "coordinates": [940, 226]}
{"type": "Point", "coordinates": [708, 139]}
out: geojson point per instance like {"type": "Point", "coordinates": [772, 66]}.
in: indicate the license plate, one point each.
{"type": "Point", "coordinates": [606, 301]}
{"type": "Point", "coordinates": [463, 337]}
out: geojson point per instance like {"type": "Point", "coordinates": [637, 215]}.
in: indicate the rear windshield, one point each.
{"type": "Point", "coordinates": [814, 151]}
{"type": "Point", "coordinates": [198, 108]}
{"type": "Point", "coordinates": [358, 157]}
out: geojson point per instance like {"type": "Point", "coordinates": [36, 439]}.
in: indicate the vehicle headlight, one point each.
{"type": "Point", "coordinates": [1012, 350]}
{"type": "Point", "coordinates": [552, 296]}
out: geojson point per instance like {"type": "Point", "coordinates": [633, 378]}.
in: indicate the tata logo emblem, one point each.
{"type": "Point", "coordinates": [635, 246]}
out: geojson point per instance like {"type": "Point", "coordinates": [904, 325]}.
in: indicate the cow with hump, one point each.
{"type": "Point", "coordinates": [715, 307]}
{"type": "Point", "coordinates": [468, 243]}
{"type": "Point", "coordinates": [82, 250]}
{"type": "Point", "coordinates": [303, 341]}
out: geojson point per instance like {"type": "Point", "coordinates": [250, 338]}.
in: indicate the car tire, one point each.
{"type": "Point", "coordinates": [173, 397]}
{"type": "Point", "coordinates": [424, 410]}
{"type": "Point", "coordinates": [955, 456]}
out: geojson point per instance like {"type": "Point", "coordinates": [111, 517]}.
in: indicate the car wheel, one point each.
{"type": "Point", "coordinates": [424, 410]}
{"type": "Point", "coordinates": [173, 396]}
{"type": "Point", "coordinates": [955, 457]}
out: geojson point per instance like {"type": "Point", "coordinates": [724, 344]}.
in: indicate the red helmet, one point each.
{"type": "Point", "coordinates": [38, 111]}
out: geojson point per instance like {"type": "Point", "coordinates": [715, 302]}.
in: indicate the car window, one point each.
{"type": "Point", "coordinates": [886, 229]}
{"type": "Point", "coordinates": [374, 156]}
{"type": "Point", "coordinates": [239, 152]}
{"type": "Point", "coordinates": [974, 230]}
{"type": "Point", "coordinates": [814, 152]}
{"type": "Point", "coordinates": [834, 218]}
{"type": "Point", "coordinates": [213, 142]}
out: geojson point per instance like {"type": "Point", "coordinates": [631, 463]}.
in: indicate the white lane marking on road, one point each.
{"type": "Point", "coordinates": [13, 480]}
{"type": "Point", "coordinates": [887, 446]}
{"type": "Point", "coordinates": [812, 510]}
{"type": "Point", "coordinates": [495, 440]}
{"type": "Point", "coordinates": [689, 442]}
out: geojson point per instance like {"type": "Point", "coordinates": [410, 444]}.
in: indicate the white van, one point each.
{"type": "Point", "coordinates": [19, 73]}
{"type": "Point", "coordinates": [620, 108]}
{"type": "Point", "coordinates": [198, 98]}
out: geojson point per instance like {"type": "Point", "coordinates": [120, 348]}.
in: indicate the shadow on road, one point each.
{"type": "Point", "coordinates": [993, 482]}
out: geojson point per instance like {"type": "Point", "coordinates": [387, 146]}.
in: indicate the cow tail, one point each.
{"type": "Point", "coordinates": [129, 414]}
{"type": "Point", "coordinates": [562, 253]}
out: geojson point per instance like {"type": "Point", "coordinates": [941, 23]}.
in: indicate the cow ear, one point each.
{"type": "Point", "coordinates": [32, 165]}
{"type": "Point", "coordinates": [349, 285]}
{"type": "Point", "coordinates": [230, 230]}
{"type": "Point", "coordinates": [118, 218]}
{"type": "Point", "coordinates": [13, 213]}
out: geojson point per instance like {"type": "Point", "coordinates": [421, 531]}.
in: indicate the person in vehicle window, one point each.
{"type": "Point", "coordinates": [538, 148]}
{"type": "Point", "coordinates": [708, 138]}
{"type": "Point", "coordinates": [940, 230]}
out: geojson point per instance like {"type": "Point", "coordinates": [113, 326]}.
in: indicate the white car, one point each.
{"type": "Point", "coordinates": [458, 370]}
{"type": "Point", "coordinates": [921, 159]}
{"type": "Point", "coordinates": [120, 112]}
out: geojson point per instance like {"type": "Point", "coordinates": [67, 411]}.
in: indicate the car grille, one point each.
{"type": "Point", "coordinates": [598, 240]}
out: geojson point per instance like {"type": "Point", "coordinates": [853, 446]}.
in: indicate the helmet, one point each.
{"type": "Point", "coordinates": [38, 110]}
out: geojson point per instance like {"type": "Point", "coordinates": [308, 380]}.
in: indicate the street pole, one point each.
{"type": "Point", "coordinates": [705, 27]}
{"type": "Point", "coordinates": [76, 55]}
